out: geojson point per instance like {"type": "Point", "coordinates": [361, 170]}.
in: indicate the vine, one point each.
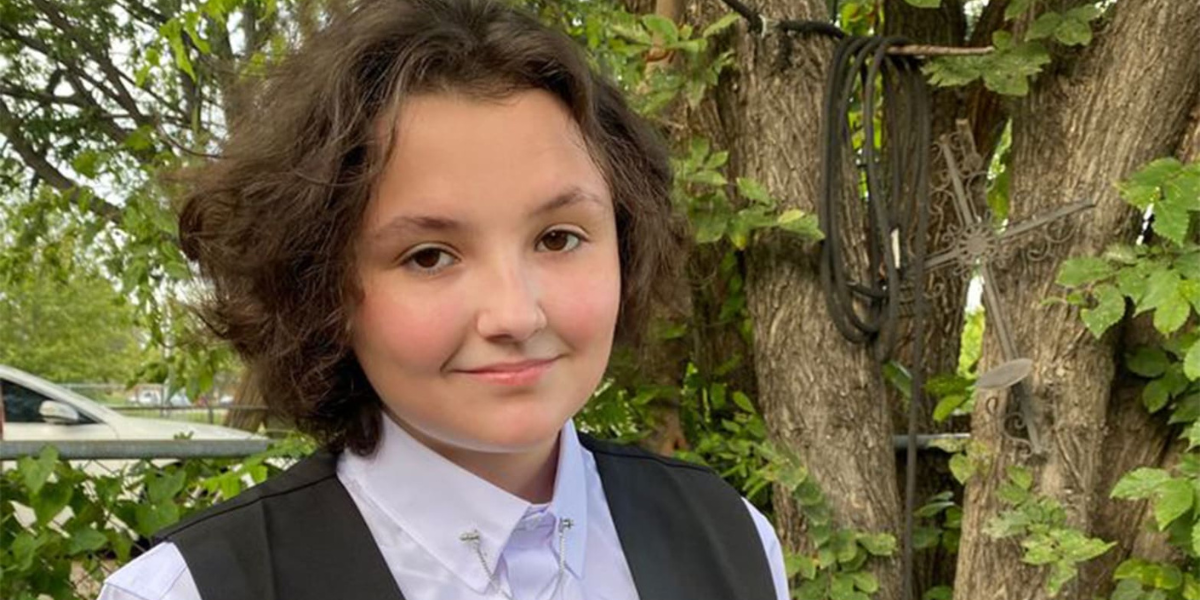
{"type": "Point", "coordinates": [1017, 58]}
{"type": "Point", "coordinates": [1164, 278]}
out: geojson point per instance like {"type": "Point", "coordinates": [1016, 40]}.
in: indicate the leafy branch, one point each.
{"type": "Point", "coordinates": [1041, 523]}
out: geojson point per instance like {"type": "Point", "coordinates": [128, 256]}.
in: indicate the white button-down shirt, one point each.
{"type": "Point", "coordinates": [419, 520]}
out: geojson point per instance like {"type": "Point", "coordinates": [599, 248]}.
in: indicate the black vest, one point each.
{"type": "Point", "coordinates": [685, 533]}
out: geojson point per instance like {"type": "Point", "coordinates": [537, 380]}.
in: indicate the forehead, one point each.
{"type": "Point", "coordinates": [454, 153]}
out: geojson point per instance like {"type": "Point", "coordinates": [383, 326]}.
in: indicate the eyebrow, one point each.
{"type": "Point", "coordinates": [401, 223]}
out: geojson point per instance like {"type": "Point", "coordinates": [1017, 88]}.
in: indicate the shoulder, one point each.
{"type": "Point", "coordinates": [648, 479]}
{"type": "Point", "coordinates": [159, 574]}
{"type": "Point", "coordinates": [606, 450]}
{"type": "Point", "coordinates": [319, 468]}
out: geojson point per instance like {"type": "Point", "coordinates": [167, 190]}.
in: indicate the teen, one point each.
{"type": "Point", "coordinates": [423, 242]}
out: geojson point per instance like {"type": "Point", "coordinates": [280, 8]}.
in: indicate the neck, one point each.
{"type": "Point", "coordinates": [529, 474]}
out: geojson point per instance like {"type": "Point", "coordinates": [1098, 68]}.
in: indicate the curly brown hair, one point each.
{"type": "Point", "coordinates": [273, 221]}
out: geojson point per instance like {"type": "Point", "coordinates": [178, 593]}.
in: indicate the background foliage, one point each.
{"type": "Point", "coordinates": [100, 99]}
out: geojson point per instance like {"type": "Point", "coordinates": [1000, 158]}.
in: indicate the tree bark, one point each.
{"type": "Point", "coordinates": [1090, 121]}
{"type": "Point", "coordinates": [820, 394]}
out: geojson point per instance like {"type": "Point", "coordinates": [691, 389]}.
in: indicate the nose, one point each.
{"type": "Point", "coordinates": [510, 303]}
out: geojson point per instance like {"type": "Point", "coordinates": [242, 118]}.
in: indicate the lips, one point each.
{"type": "Point", "coordinates": [520, 373]}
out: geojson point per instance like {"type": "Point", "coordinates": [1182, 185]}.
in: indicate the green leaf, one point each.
{"type": "Point", "coordinates": [1140, 483]}
{"type": "Point", "coordinates": [947, 71]}
{"type": "Point", "coordinates": [1123, 254]}
{"type": "Point", "coordinates": [710, 227]}
{"type": "Point", "coordinates": [1142, 188]}
{"type": "Point", "coordinates": [1020, 476]}
{"type": "Point", "coordinates": [1190, 290]}
{"type": "Point", "coordinates": [1110, 308]}
{"type": "Point", "coordinates": [1133, 283]}
{"type": "Point", "coordinates": [51, 500]}
{"type": "Point", "coordinates": [1171, 220]}
{"type": "Point", "coordinates": [841, 587]}
{"type": "Point", "coordinates": [865, 581]}
{"type": "Point", "coordinates": [662, 26]}
{"type": "Point", "coordinates": [1175, 498]}
{"type": "Point", "coordinates": [721, 25]}
{"type": "Point", "coordinates": [1193, 435]}
{"type": "Point", "coordinates": [961, 468]}
{"type": "Point", "coordinates": [1128, 589]}
{"type": "Point", "coordinates": [1038, 551]}
{"type": "Point", "coordinates": [1077, 547]}
{"type": "Point", "coordinates": [35, 472]}
{"type": "Point", "coordinates": [926, 537]}
{"type": "Point", "coordinates": [1060, 574]}
{"type": "Point", "coordinates": [924, 3]}
{"type": "Point", "coordinates": [743, 402]}
{"type": "Point", "coordinates": [946, 407]}
{"type": "Point", "coordinates": [1191, 362]}
{"type": "Point", "coordinates": [1161, 287]}
{"type": "Point", "coordinates": [708, 177]}
{"type": "Point", "coordinates": [1156, 394]}
{"type": "Point", "coordinates": [796, 221]}
{"type": "Point", "coordinates": [24, 548]}
{"type": "Point", "coordinates": [85, 539]}
{"type": "Point", "coordinates": [800, 564]}
{"type": "Point", "coordinates": [1147, 361]}
{"type": "Point", "coordinates": [1044, 26]}
{"type": "Point", "coordinates": [752, 190]}
{"type": "Point", "coordinates": [152, 517]}
{"type": "Point", "coordinates": [1002, 40]}
{"type": "Point", "coordinates": [163, 488]}
{"type": "Point", "coordinates": [1132, 568]}
{"type": "Point", "coordinates": [1184, 190]}
{"type": "Point", "coordinates": [878, 544]}
{"type": "Point", "coordinates": [1191, 587]}
{"type": "Point", "coordinates": [86, 163]}
{"type": "Point", "coordinates": [1012, 494]}
{"type": "Point", "coordinates": [1169, 577]}
{"type": "Point", "coordinates": [1016, 8]}
{"type": "Point", "coordinates": [1086, 13]}
{"type": "Point", "coordinates": [637, 35]}
{"type": "Point", "coordinates": [1172, 314]}
{"type": "Point", "coordinates": [1072, 32]}
{"type": "Point", "coordinates": [897, 375]}
{"type": "Point", "coordinates": [1083, 270]}
{"type": "Point", "coordinates": [844, 546]}
{"type": "Point", "coordinates": [941, 592]}
{"type": "Point", "coordinates": [808, 493]}
{"type": "Point", "coordinates": [1186, 410]}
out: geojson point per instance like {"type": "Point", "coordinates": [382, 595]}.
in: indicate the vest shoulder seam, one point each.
{"type": "Point", "coordinates": [611, 449]}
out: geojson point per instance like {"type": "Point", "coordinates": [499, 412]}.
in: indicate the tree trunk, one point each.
{"type": "Point", "coordinates": [818, 392]}
{"type": "Point", "coordinates": [1090, 121]}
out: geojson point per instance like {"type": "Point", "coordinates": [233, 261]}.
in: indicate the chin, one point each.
{"type": "Point", "coordinates": [513, 440]}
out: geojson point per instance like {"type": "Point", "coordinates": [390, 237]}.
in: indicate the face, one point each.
{"type": "Point", "coordinates": [489, 267]}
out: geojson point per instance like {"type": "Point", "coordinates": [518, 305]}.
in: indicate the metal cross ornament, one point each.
{"type": "Point", "coordinates": [976, 245]}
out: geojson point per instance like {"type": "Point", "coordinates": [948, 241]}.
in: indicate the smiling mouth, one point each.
{"type": "Point", "coordinates": [515, 374]}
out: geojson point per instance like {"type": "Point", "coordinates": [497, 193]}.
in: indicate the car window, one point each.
{"type": "Point", "coordinates": [21, 404]}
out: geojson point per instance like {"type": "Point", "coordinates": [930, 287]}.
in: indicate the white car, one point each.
{"type": "Point", "coordinates": [37, 410]}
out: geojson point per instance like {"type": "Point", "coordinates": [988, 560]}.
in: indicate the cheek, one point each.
{"type": "Point", "coordinates": [409, 331]}
{"type": "Point", "coordinates": [587, 303]}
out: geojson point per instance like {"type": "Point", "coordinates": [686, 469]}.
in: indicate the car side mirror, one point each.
{"type": "Point", "coordinates": [58, 413]}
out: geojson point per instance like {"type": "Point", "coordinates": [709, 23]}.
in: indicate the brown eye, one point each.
{"type": "Point", "coordinates": [559, 240]}
{"type": "Point", "coordinates": [429, 260]}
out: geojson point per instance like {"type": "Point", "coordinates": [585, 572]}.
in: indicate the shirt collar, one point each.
{"type": "Point", "coordinates": [435, 501]}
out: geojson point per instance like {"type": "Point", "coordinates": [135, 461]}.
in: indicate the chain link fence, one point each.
{"type": "Point", "coordinates": [76, 511]}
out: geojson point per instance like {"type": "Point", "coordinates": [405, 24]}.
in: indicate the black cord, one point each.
{"type": "Point", "coordinates": [887, 206]}
{"type": "Point", "coordinates": [761, 24]}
